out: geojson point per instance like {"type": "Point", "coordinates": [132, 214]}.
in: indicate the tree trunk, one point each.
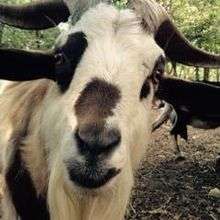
{"type": "Point", "coordinates": [206, 74]}
{"type": "Point", "coordinates": [217, 75]}
{"type": "Point", "coordinates": [174, 68]}
{"type": "Point", "coordinates": [197, 73]}
{"type": "Point", "coordinates": [38, 39]}
{"type": "Point", "coordinates": [1, 33]}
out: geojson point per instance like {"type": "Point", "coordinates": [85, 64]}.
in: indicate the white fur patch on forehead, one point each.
{"type": "Point", "coordinates": [105, 20]}
{"type": "Point", "coordinates": [118, 51]}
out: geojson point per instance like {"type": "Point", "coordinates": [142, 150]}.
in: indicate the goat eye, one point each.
{"type": "Point", "coordinates": [68, 56]}
{"type": "Point", "coordinates": [145, 90]}
{"type": "Point", "coordinates": [159, 68]}
{"type": "Point", "coordinates": [63, 71]}
{"type": "Point", "coordinates": [158, 72]}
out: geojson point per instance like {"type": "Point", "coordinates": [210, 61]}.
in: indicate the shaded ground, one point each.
{"type": "Point", "coordinates": [166, 189]}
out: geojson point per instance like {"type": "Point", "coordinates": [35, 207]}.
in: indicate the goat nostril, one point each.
{"type": "Point", "coordinates": [90, 141]}
{"type": "Point", "coordinates": [112, 138]}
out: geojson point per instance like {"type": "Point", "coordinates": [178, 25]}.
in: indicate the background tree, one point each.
{"type": "Point", "coordinates": [199, 20]}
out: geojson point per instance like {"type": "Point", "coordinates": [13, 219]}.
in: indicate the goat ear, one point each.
{"type": "Point", "coordinates": [21, 65]}
{"type": "Point", "coordinates": [179, 49]}
{"type": "Point", "coordinates": [36, 15]}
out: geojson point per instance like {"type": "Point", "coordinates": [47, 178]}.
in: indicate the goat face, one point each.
{"type": "Point", "coordinates": [97, 123]}
{"type": "Point", "coordinates": [96, 116]}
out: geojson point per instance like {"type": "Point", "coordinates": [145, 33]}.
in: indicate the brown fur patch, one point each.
{"type": "Point", "coordinates": [96, 102]}
{"type": "Point", "coordinates": [20, 103]}
{"type": "Point", "coordinates": [21, 99]}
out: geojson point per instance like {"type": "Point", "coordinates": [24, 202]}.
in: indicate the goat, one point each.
{"type": "Point", "coordinates": [73, 129]}
{"type": "Point", "coordinates": [194, 104]}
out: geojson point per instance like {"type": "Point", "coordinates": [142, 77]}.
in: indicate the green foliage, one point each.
{"type": "Point", "coordinates": [120, 3]}
{"type": "Point", "coordinates": [28, 39]}
{"type": "Point", "coordinates": [16, 38]}
{"type": "Point", "coordinates": [199, 20]}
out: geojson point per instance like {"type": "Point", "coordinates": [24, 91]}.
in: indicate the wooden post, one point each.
{"type": "Point", "coordinates": [1, 33]}
{"type": "Point", "coordinates": [217, 75]}
{"type": "Point", "coordinates": [206, 74]}
{"type": "Point", "coordinates": [197, 73]}
{"type": "Point", "coordinates": [38, 39]}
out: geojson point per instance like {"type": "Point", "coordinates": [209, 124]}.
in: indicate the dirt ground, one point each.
{"type": "Point", "coordinates": [170, 190]}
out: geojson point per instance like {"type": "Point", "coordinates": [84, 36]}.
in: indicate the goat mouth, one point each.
{"type": "Point", "coordinates": [91, 177]}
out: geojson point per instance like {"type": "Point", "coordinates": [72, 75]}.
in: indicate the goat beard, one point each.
{"type": "Point", "coordinates": [92, 175]}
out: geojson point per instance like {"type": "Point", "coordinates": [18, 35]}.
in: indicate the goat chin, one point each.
{"type": "Point", "coordinates": [107, 203]}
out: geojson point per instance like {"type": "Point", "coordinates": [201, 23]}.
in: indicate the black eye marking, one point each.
{"type": "Point", "coordinates": [157, 73]}
{"type": "Point", "coordinates": [68, 57]}
{"type": "Point", "coordinates": [159, 69]}
{"type": "Point", "coordinates": [145, 91]}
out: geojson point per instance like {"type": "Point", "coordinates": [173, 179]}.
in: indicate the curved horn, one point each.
{"type": "Point", "coordinates": [180, 50]}
{"type": "Point", "coordinates": [21, 65]}
{"type": "Point", "coordinates": [38, 15]}
{"type": "Point", "coordinates": [155, 20]}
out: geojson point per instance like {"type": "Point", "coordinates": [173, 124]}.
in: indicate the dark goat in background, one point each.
{"type": "Point", "coordinates": [192, 103]}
